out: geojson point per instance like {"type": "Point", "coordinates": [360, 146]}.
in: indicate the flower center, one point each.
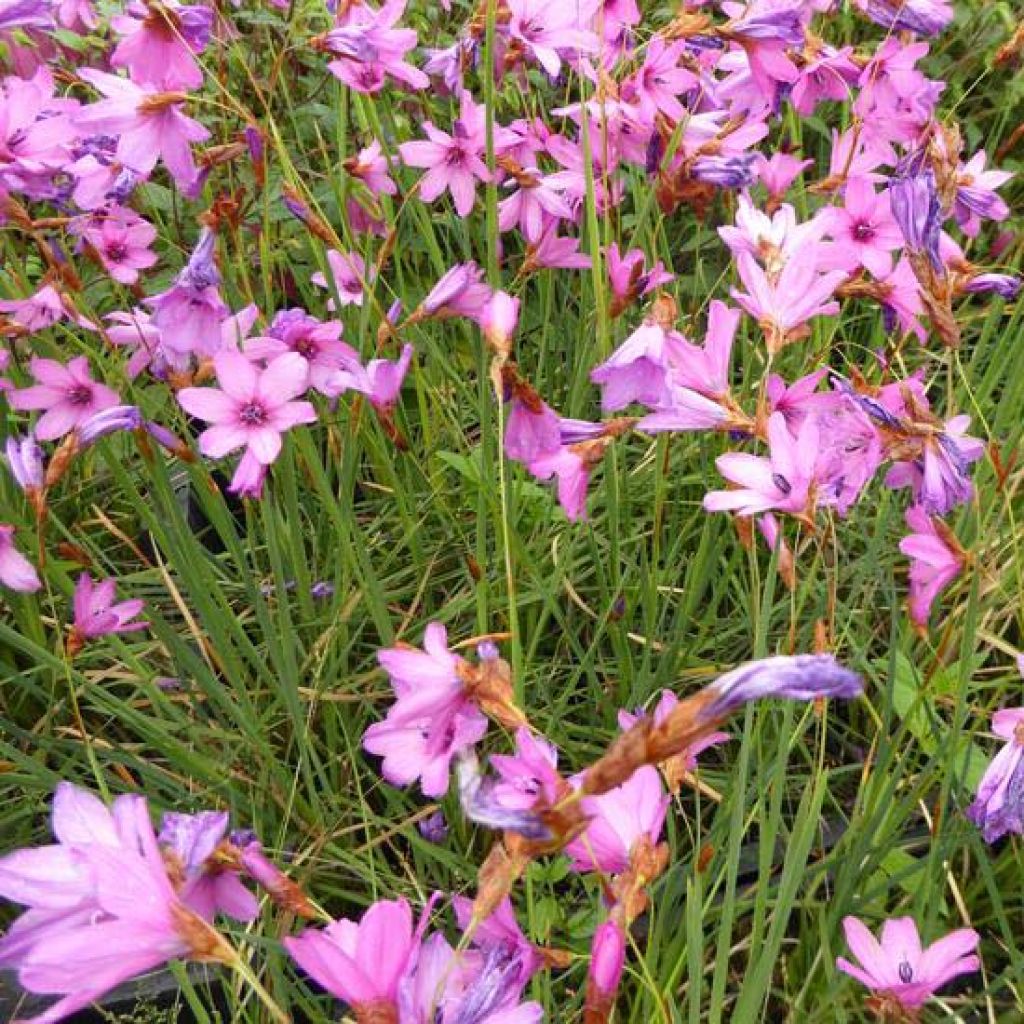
{"type": "Point", "coordinates": [253, 415]}
{"type": "Point", "coordinates": [863, 231]}
{"type": "Point", "coordinates": [906, 973]}
{"type": "Point", "coordinates": [80, 394]}
{"type": "Point", "coordinates": [117, 252]}
{"type": "Point", "coordinates": [782, 483]}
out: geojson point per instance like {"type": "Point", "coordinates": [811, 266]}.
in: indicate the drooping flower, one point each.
{"type": "Point", "coordinates": [16, 571]}
{"type": "Point", "coordinates": [45, 308]}
{"type": "Point", "coordinates": [998, 807]}
{"type": "Point", "coordinates": [619, 819]}
{"type": "Point", "coordinates": [501, 931]}
{"type": "Point", "coordinates": [916, 209]}
{"type": "Point", "coordinates": [460, 291]}
{"type": "Point", "coordinates": [898, 969]}
{"type": "Point", "coordinates": [433, 718]}
{"type": "Point", "coordinates": [251, 409]}
{"type": "Point", "coordinates": [67, 394]}
{"type": "Point", "coordinates": [529, 775]}
{"type": "Point", "coordinates": [936, 559]}
{"type": "Point", "coordinates": [188, 315]}
{"type": "Point", "coordinates": [369, 49]}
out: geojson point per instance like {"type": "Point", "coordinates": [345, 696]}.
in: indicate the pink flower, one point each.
{"type": "Point", "coordinates": [16, 571]}
{"type": "Point", "coordinates": [150, 124]}
{"type": "Point", "coordinates": [976, 197]}
{"type": "Point", "coordinates": [637, 371]}
{"type": "Point", "coordinates": [778, 172]}
{"type": "Point", "coordinates": [898, 969]}
{"type": "Point", "coordinates": [47, 307]}
{"type": "Point", "coordinates": [706, 369]}
{"type": "Point", "coordinates": [572, 470]}
{"type": "Point", "coordinates": [333, 366]}
{"type": "Point", "coordinates": [864, 231]}
{"type": "Point", "coordinates": [499, 321]}
{"type": "Point", "coordinates": [535, 204]}
{"type": "Point", "coordinates": [936, 559]}
{"type": "Point", "coordinates": [618, 820]}
{"type": "Point", "coordinates": [67, 393]}
{"type": "Point", "coordinates": [159, 42]}
{"type": "Point", "coordinates": [348, 274]}
{"type": "Point", "coordinates": [828, 76]}
{"type": "Point", "coordinates": [607, 959]}
{"type": "Point", "coordinates": [102, 907]}
{"type": "Point", "coordinates": [556, 252]}
{"type": "Point", "coordinates": [998, 807]}
{"type": "Point", "coordinates": [371, 168]}
{"type": "Point", "coordinates": [629, 277]}
{"type": "Point", "coordinates": [460, 291]}
{"type": "Point", "coordinates": [360, 963]}
{"type": "Point", "coordinates": [500, 936]}
{"type": "Point", "coordinates": [547, 30]}
{"type": "Point", "coordinates": [782, 307]}
{"type": "Point", "coordinates": [96, 614]}
{"type": "Point", "coordinates": [433, 718]}
{"type": "Point", "coordinates": [370, 49]}
{"type": "Point", "coordinates": [655, 88]}
{"type": "Point", "coordinates": [384, 380]}
{"type": "Point", "coordinates": [121, 239]}
{"type": "Point", "coordinates": [252, 408]}
{"type": "Point", "coordinates": [783, 481]}
{"type": "Point", "coordinates": [528, 775]}
{"type": "Point", "coordinates": [454, 162]}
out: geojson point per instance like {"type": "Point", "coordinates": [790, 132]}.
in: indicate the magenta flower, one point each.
{"type": "Point", "coordinates": [629, 278]}
{"type": "Point", "coordinates": [864, 231]}
{"type": "Point", "coordinates": [121, 239]}
{"type": "Point", "coordinates": [252, 408]}
{"type": "Point", "coordinates": [619, 819]}
{"type": "Point", "coordinates": [782, 482]}
{"type": "Point", "coordinates": [432, 720]}
{"type": "Point", "coordinates": [607, 959]}
{"type": "Point", "coordinates": [924, 17]}
{"type": "Point", "coordinates": [454, 163]}
{"type": "Point", "coordinates": [150, 124]}
{"type": "Point", "coordinates": [936, 559]}
{"type": "Point", "coordinates": [369, 49]}
{"type": "Point", "coordinates": [998, 807]}
{"type": "Point", "coordinates": [371, 168]}
{"type": "Point", "coordinates": [384, 379]}
{"type": "Point", "coordinates": [16, 571]}
{"type": "Point", "coordinates": [898, 968]}
{"type": "Point", "coordinates": [68, 395]}
{"type": "Point", "coordinates": [976, 197]}
{"type": "Point", "coordinates": [546, 31]}
{"type": "Point", "coordinates": [159, 43]}
{"type": "Point", "coordinates": [778, 172]}
{"type": "Point", "coordinates": [361, 963]}
{"type": "Point", "coordinates": [657, 86]}
{"type": "Point", "coordinates": [535, 204]}
{"type": "Point", "coordinates": [461, 291]}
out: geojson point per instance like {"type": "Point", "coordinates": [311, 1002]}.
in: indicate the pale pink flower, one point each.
{"type": "Point", "coordinates": [159, 43]}
{"type": "Point", "coordinates": [547, 31]}
{"type": "Point", "coordinates": [863, 230]}
{"type": "Point", "coordinates": [619, 819]}
{"type": "Point", "coordinates": [43, 309]}
{"type": "Point", "coordinates": [68, 395]}
{"type": "Point", "coordinates": [898, 968]}
{"type": "Point", "coordinates": [97, 614]}
{"type": "Point", "coordinates": [371, 168]}
{"type": "Point", "coordinates": [149, 122]}
{"type": "Point", "coordinates": [121, 239]}
{"type": "Point", "coordinates": [935, 561]}
{"type": "Point", "coordinates": [348, 274]}
{"type": "Point", "coordinates": [16, 571]}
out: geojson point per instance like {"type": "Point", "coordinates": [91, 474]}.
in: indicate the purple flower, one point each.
{"type": "Point", "coordinates": [923, 17]}
{"type": "Point", "coordinates": [189, 843]}
{"type": "Point", "coordinates": [915, 207]}
{"type": "Point", "coordinates": [501, 930]}
{"type": "Point", "coordinates": [26, 14]}
{"type": "Point", "coordinates": [434, 828]}
{"type": "Point", "coordinates": [898, 968]}
{"type": "Point", "coordinates": [1006, 286]}
{"type": "Point", "coordinates": [108, 421]}
{"type": "Point", "coordinates": [799, 677]}
{"type": "Point", "coordinates": [998, 807]}
{"type": "Point", "coordinates": [25, 461]}
{"type": "Point", "coordinates": [725, 171]}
